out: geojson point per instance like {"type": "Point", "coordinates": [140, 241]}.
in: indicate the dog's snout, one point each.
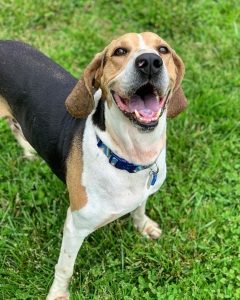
{"type": "Point", "coordinates": [149, 63]}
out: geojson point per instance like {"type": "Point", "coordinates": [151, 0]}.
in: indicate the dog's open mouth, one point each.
{"type": "Point", "coordinates": [145, 105]}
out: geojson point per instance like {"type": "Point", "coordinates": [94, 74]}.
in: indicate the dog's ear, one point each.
{"type": "Point", "coordinates": [177, 102]}
{"type": "Point", "coordinates": [80, 101]}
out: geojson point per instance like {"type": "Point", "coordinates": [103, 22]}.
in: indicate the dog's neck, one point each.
{"type": "Point", "coordinates": [130, 142]}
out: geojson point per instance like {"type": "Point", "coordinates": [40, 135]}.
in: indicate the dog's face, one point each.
{"type": "Point", "coordinates": [139, 74]}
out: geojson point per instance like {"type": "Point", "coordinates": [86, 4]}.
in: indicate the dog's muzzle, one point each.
{"type": "Point", "coordinates": [145, 102]}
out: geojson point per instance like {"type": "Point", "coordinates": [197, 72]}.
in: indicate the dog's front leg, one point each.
{"type": "Point", "coordinates": [73, 237]}
{"type": "Point", "coordinates": [144, 224]}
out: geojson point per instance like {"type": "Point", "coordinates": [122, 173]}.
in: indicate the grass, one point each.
{"type": "Point", "coordinates": [198, 206]}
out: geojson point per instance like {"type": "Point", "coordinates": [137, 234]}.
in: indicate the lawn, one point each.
{"type": "Point", "coordinates": [198, 256]}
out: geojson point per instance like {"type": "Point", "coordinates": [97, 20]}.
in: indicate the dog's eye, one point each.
{"type": "Point", "coordinates": [163, 50]}
{"type": "Point", "coordinates": [120, 52]}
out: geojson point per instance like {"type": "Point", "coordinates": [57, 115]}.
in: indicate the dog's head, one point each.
{"type": "Point", "coordinates": [140, 74]}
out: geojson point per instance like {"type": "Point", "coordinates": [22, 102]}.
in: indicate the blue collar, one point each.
{"type": "Point", "coordinates": [119, 162]}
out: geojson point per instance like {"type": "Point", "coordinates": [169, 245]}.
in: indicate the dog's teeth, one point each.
{"type": "Point", "coordinates": [159, 112]}
{"type": "Point", "coordinates": [137, 114]}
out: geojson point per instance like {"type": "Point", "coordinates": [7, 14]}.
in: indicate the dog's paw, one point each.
{"type": "Point", "coordinates": [58, 296]}
{"type": "Point", "coordinates": [148, 228]}
{"type": "Point", "coordinates": [63, 298]}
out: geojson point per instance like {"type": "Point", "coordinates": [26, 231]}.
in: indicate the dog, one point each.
{"type": "Point", "coordinates": [103, 135]}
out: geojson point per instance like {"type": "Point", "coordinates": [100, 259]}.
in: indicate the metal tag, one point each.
{"type": "Point", "coordinates": [152, 178]}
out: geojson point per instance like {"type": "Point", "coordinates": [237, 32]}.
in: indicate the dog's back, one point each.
{"type": "Point", "coordinates": [35, 89]}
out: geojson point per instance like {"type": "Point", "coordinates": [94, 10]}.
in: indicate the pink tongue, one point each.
{"type": "Point", "coordinates": [147, 107]}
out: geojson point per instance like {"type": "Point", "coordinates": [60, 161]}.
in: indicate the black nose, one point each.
{"type": "Point", "coordinates": [149, 63]}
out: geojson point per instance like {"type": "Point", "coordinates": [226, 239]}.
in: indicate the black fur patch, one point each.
{"type": "Point", "coordinates": [36, 88]}
{"type": "Point", "coordinates": [98, 116]}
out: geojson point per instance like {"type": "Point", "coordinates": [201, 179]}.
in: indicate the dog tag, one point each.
{"type": "Point", "coordinates": [152, 178]}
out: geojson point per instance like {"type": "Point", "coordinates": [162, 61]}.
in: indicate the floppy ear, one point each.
{"type": "Point", "coordinates": [80, 101]}
{"type": "Point", "coordinates": [178, 102]}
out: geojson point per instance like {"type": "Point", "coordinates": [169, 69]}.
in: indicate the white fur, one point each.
{"type": "Point", "coordinates": [142, 44]}
{"type": "Point", "coordinates": [144, 47]}
{"type": "Point", "coordinates": [112, 193]}
{"type": "Point", "coordinates": [28, 150]}
{"type": "Point", "coordinates": [5, 111]}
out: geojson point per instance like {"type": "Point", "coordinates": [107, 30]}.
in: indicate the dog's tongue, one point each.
{"type": "Point", "coordinates": [147, 106]}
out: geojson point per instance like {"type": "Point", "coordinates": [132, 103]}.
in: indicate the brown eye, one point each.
{"type": "Point", "coordinates": [120, 52]}
{"type": "Point", "coordinates": [163, 50]}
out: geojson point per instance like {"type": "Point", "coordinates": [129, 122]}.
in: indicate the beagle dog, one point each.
{"type": "Point", "coordinates": [104, 135]}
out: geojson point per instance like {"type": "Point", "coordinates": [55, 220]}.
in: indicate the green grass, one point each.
{"type": "Point", "coordinates": [198, 206]}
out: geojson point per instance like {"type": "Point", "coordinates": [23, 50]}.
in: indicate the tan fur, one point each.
{"type": "Point", "coordinates": [80, 102]}
{"type": "Point", "coordinates": [77, 193]}
{"type": "Point", "coordinates": [115, 64]}
{"type": "Point", "coordinates": [152, 39]}
{"type": "Point", "coordinates": [105, 67]}
{"type": "Point", "coordinates": [5, 110]}
{"type": "Point", "coordinates": [177, 102]}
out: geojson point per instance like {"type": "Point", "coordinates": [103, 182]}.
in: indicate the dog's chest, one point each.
{"type": "Point", "coordinates": [116, 191]}
{"type": "Point", "coordinates": [111, 191]}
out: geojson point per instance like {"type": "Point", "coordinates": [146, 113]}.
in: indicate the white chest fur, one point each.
{"type": "Point", "coordinates": [111, 192]}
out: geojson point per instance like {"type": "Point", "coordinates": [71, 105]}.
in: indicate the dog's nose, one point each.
{"type": "Point", "coordinates": [149, 63]}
